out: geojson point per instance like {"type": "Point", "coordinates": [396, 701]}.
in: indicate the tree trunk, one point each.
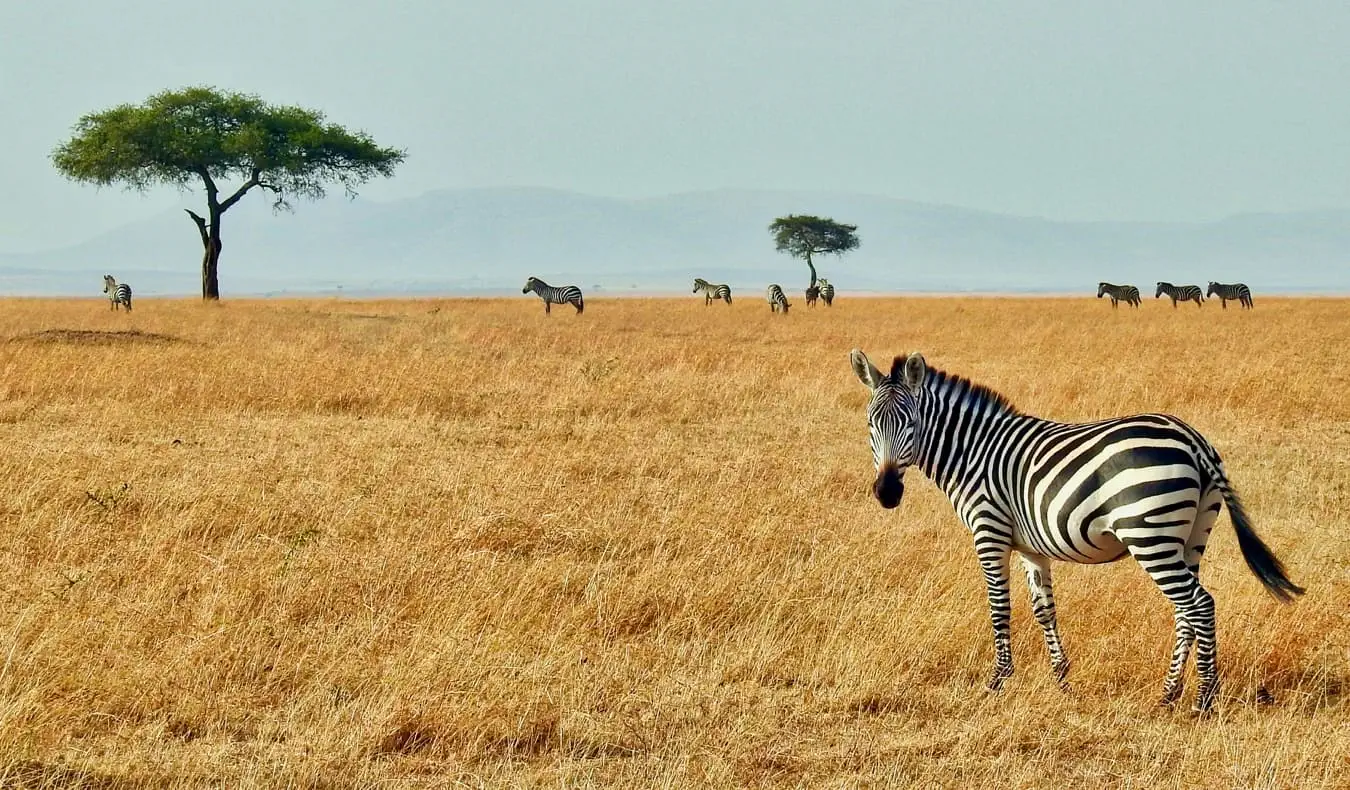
{"type": "Point", "coordinates": [812, 267]}
{"type": "Point", "coordinates": [210, 234]}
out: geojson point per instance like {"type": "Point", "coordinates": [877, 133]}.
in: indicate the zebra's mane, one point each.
{"type": "Point", "coordinates": [960, 387]}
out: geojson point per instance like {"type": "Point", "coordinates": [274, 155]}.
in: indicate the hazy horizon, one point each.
{"type": "Point", "coordinates": [1151, 112]}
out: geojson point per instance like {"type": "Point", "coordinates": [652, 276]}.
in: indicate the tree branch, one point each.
{"type": "Point", "coordinates": [211, 190]}
{"type": "Point", "coordinates": [201, 226]}
{"type": "Point", "coordinates": [254, 179]}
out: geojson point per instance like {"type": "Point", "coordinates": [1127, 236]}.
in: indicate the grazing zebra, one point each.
{"type": "Point", "coordinates": [1180, 293]}
{"type": "Point", "coordinates": [826, 291]}
{"type": "Point", "coordinates": [1226, 291]}
{"type": "Point", "coordinates": [777, 300]}
{"type": "Point", "coordinates": [812, 294]}
{"type": "Point", "coordinates": [711, 291]}
{"type": "Point", "coordinates": [1147, 485]}
{"type": "Point", "coordinates": [118, 294]}
{"type": "Point", "coordinates": [567, 294]}
{"type": "Point", "coordinates": [1119, 293]}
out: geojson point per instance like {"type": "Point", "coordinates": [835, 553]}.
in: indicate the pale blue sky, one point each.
{"type": "Point", "coordinates": [1153, 110]}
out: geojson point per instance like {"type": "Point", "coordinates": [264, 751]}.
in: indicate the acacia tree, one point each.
{"type": "Point", "coordinates": [201, 135]}
{"type": "Point", "coordinates": [803, 236]}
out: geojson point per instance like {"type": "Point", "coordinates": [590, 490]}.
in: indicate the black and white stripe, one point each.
{"type": "Point", "coordinates": [1180, 293]}
{"type": "Point", "coordinates": [1227, 291]}
{"type": "Point", "coordinates": [1147, 485]}
{"type": "Point", "coordinates": [826, 291]}
{"type": "Point", "coordinates": [777, 299]}
{"type": "Point", "coordinates": [712, 291]}
{"type": "Point", "coordinates": [565, 294]}
{"type": "Point", "coordinates": [1119, 293]}
{"type": "Point", "coordinates": [118, 294]}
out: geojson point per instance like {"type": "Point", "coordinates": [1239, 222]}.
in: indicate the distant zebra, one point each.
{"type": "Point", "coordinates": [777, 300]}
{"type": "Point", "coordinates": [566, 294]}
{"type": "Point", "coordinates": [826, 291]}
{"type": "Point", "coordinates": [1119, 293]}
{"type": "Point", "coordinates": [812, 294]}
{"type": "Point", "coordinates": [1180, 293]}
{"type": "Point", "coordinates": [711, 291]}
{"type": "Point", "coordinates": [1147, 485]}
{"type": "Point", "coordinates": [1226, 291]}
{"type": "Point", "coordinates": [118, 294]}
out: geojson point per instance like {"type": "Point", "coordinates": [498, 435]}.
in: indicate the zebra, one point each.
{"type": "Point", "coordinates": [812, 294]}
{"type": "Point", "coordinates": [1180, 293]}
{"type": "Point", "coordinates": [567, 294]}
{"type": "Point", "coordinates": [1119, 293]}
{"type": "Point", "coordinates": [711, 291]}
{"type": "Point", "coordinates": [118, 294]}
{"type": "Point", "coordinates": [777, 299]}
{"type": "Point", "coordinates": [1227, 291]}
{"type": "Point", "coordinates": [1147, 485]}
{"type": "Point", "coordinates": [826, 291]}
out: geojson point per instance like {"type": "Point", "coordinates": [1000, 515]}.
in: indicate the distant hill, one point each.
{"type": "Point", "coordinates": [489, 240]}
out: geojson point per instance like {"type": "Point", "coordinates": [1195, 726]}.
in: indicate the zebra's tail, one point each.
{"type": "Point", "coordinates": [1260, 559]}
{"type": "Point", "coordinates": [581, 304]}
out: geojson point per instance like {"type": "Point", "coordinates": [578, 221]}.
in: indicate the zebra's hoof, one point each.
{"type": "Point", "coordinates": [1061, 671]}
{"type": "Point", "coordinates": [1170, 696]}
{"type": "Point", "coordinates": [1263, 696]}
{"type": "Point", "coordinates": [995, 684]}
{"type": "Point", "coordinates": [1204, 700]}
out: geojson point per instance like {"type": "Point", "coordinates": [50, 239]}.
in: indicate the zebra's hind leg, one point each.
{"type": "Point", "coordinates": [1164, 557]}
{"type": "Point", "coordinates": [1039, 584]}
{"type": "Point", "coordinates": [994, 555]}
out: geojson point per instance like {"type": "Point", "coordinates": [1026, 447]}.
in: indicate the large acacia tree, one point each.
{"type": "Point", "coordinates": [202, 136]}
{"type": "Point", "coordinates": [803, 236]}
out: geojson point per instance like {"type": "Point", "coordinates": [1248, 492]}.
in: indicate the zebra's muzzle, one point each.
{"type": "Point", "coordinates": [889, 487]}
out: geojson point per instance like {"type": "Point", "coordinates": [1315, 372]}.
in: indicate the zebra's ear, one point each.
{"type": "Point", "coordinates": [915, 370]}
{"type": "Point", "coordinates": [863, 368]}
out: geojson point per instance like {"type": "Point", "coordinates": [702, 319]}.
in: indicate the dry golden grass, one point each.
{"type": "Point", "coordinates": [426, 543]}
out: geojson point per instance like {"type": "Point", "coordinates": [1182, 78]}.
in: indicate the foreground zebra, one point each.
{"type": "Point", "coordinates": [1180, 293]}
{"type": "Point", "coordinates": [1226, 291]}
{"type": "Point", "coordinates": [777, 299]}
{"type": "Point", "coordinates": [826, 291]}
{"type": "Point", "coordinates": [566, 294]}
{"type": "Point", "coordinates": [1147, 485]}
{"type": "Point", "coordinates": [1119, 293]}
{"type": "Point", "coordinates": [118, 294]}
{"type": "Point", "coordinates": [711, 291]}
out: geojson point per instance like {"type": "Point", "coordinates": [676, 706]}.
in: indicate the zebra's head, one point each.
{"type": "Point", "coordinates": [108, 283]}
{"type": "Point", "coordinates": [890, 420]}
{"type": "Point", "coordinates": [699, 284]}
{"type": "Point", "coordinates": [1101, 289]}
{"type": "Point", "coordinates": [530, 285]}
{"type": "Point", "coordinates": [1213, 288]}
{"type": "Point", "coordinates": [1159, 292]}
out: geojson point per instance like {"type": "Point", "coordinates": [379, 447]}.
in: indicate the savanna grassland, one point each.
{"type": "Point", "coordinates": [427, 543]}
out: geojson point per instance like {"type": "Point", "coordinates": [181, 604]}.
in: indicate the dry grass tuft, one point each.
{"type": "Point", "coordinates": [418, 543]}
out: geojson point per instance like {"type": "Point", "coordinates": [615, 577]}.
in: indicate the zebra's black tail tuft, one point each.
{"type": "Point", "coordinates": [1262, 561]}
{"type": "Point", "coordinates": [581, 305]}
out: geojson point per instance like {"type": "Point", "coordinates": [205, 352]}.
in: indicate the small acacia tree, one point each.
{"type": "Point", "coordinates": [804, 236]}
{"type": "Point", "coordinates": [201, 135]}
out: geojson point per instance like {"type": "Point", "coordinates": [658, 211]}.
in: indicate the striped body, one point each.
{"type": "Point", "coordinates": [1180, 293]}
{"type": "Point", "coordinates": [711, 291]}
{"type": "Point", "coordinates": [566, 294]}
{"type": "Point", "coordinates": [1119, 293]}
{"type": "Point", "coordinates": [777, 299]}
{"type": "Point", "coordinates": [1227, 291]}
{"type": "Point", "coordinates": [826, 291]}
{"type": "Point", "coordinates": [119, 294]}
{"type": "Point", "coordinates": [812, 294]}
{"type": "Point", "coordinates": [1147, 485]}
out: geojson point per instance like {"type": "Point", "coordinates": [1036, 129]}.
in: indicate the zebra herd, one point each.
{"type": "Point", "coordinates": [1226, 292]}
{"type": "Point", "coordinates": [777, 299]}
{"type": "Point", "coordinates": [1146, 485]}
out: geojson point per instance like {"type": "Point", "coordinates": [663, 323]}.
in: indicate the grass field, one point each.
{"type": "Point", "coordinates": [427, 543]}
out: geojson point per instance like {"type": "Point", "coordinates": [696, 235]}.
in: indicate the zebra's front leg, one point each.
{"type": "Point", "coordinates": [548, 307]}
{"type": "Point", "coordinates": [1039, 584]}
{"type": "Point", "coordinates": [994, 555]}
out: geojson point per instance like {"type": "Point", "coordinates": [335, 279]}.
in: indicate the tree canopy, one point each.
{"type": "Point", "coordinates": [203, 136]}
{"type": "Point", "coordinates": [803, 236]}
